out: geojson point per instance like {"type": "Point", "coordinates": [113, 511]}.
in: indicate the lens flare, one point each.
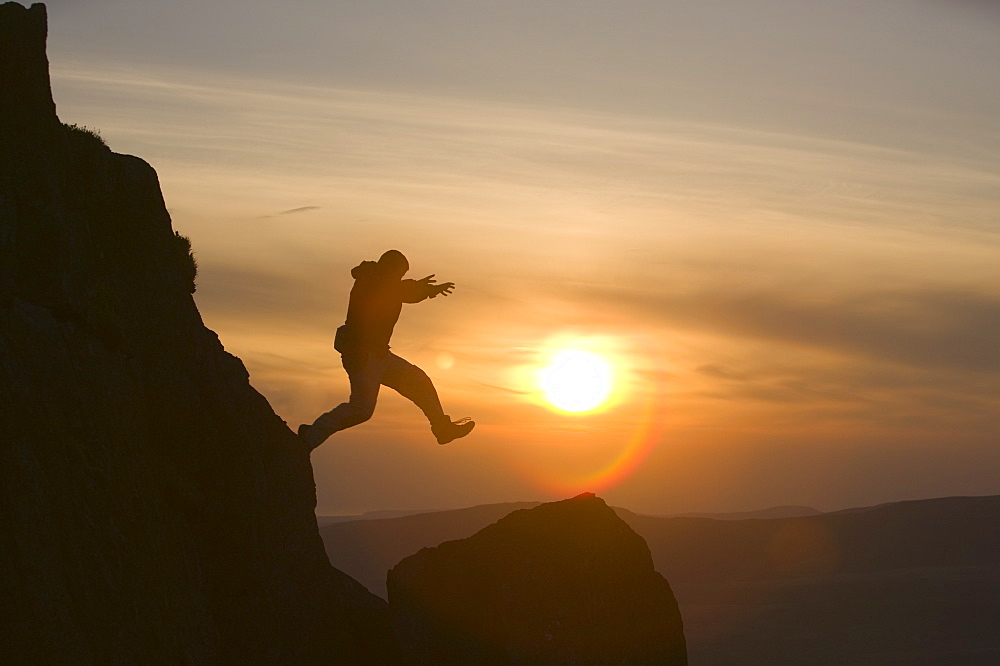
{"type": "Point", "coordinates": [611, 411]}
{"type": "Point", "coordinates": [576, 381]}
{"type": "Point", "coordinates": [622, 459]}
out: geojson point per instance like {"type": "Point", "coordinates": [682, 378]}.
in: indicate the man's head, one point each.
{"type": "Point", "coordinates": [394, 263]}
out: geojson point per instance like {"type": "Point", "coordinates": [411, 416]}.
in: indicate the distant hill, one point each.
{"type": "Point", "coordinates": [914, 582]}
{"type": "Point", "coordinates": [772, 512]}
{"type": "Point", "coordinates": [372, 515]}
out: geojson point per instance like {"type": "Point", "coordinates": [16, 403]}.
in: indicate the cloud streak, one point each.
{"type": "Point", "coordinates": [929, 328]}
{"type": "Point", "coordinates": [300, 209]}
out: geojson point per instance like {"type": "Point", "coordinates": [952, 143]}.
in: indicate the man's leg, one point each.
{"type": "Point", "coordinates": [413, 383]}
{"type": "Point", "coordinates": [359, 408]}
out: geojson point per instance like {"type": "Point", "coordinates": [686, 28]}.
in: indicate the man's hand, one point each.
{"type": "Point", "coordinates": [433, 289]}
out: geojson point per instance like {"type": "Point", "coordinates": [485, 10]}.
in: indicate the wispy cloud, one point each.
{"type": "Point", "coordinates": [290, 211]}
{"type": "Point", "coordinates": [300, 209]}
{"type": "Point", "coordinates": [926, 328]}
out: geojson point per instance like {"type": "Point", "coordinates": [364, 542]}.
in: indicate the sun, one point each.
{"type": "Point", "coordinates": [576, 381]}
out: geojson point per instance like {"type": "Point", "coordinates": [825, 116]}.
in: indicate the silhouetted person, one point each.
{"type": "Point", "coordinates": [363, 342]}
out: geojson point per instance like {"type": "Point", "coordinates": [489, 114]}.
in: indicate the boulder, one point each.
{"type": "Point", "coordinates": [562, 583]}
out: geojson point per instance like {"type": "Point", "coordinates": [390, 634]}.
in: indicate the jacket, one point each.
{"type": "Point", "coordinates": [376, 301]}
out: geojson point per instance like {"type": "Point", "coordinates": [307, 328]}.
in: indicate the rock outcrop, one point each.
{"type": "Point", "coordinates": [563, 583]}
{"type": "Point", "coordinates": [154, 508]}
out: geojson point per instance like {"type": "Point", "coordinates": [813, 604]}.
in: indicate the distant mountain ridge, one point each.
{"type": "Point", "coordinates": [369, 546]}
{"type": "Point", "coordinates": [770, 512]}
{"type": "Point", "coordinates": [904, 580]}
{"type": "Point", "coordinates": [371, 515]}
{"type": "Point", "coordinates": [383, 514]}
{"type": "Point", "coordinates": [790, 511]}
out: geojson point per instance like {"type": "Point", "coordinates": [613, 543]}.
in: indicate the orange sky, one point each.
{"type": "Point", "coordinates": [780, 227]}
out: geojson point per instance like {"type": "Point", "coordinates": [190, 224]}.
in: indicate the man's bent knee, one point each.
{"type": "Point", "coordinates": [345, 415]}
{"type": "Point", "coordinates": [357, 414]}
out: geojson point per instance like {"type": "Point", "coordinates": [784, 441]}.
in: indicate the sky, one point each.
{"type": "Point", "coordinates": [778, 221]}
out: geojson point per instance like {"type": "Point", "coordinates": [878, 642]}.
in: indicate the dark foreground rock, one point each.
{"type": "Point", "coordinates": [563, 583]}
{"type": "Point", "coordinates": [153, 508]}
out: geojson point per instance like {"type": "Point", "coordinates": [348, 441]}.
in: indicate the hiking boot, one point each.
{"type": "Point", "coordinates": [448, 430]}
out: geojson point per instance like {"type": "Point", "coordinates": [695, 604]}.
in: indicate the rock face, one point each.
{"type": "Point", "coordinates": [154, 509]}
{"type": "Point", "coordinates": [563, 583]}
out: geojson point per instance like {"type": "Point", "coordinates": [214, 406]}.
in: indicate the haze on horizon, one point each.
{"type": "Point", "coordinates": [778, 220]}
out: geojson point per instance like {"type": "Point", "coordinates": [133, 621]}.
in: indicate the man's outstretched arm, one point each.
{"type": "Point", "coordinates": [415, 291]}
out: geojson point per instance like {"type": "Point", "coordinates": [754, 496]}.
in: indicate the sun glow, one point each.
{"type": "Point", "coordinates": [576, 381]}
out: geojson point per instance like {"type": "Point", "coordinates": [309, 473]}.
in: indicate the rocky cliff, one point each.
{"type": "Point", "coordinates": [563, 583]}
{"type": "Point", "coordinates": [154, 508]}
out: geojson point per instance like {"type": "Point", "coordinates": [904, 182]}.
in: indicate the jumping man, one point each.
{"type": "Point", "coordinates": [363, 342]}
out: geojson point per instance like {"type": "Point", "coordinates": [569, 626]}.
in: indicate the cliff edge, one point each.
{"type": "Point", "coordinates": [154, 508]}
